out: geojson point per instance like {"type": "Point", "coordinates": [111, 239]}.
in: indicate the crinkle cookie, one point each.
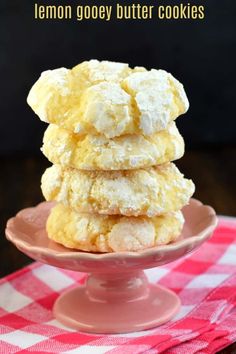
{"type": "Point", "coordinates": [108, 98]}
{"type": "Point", "coordinates": [106, 233]}
{"type": "Point", "coordinates": [150, 192]}
{"type": "Point", "coordinates": [96, 152]}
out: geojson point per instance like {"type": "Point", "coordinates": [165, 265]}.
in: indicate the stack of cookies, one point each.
{"type": "Point", "coordinates": [111, 140]}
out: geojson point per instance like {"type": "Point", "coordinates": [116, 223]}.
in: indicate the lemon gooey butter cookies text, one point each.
{"type": "Point", "coordinates": [112, 137]}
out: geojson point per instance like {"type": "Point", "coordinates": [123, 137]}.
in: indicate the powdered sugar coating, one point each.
{"type": "Point", "coordinates": [104, 233]}
{"type": "Point", "coordinates": [96, 152]}
{"type": "Point", "coordinates": [159, 98]}
{"type": "Point", "coordinates": [108, 98]}
{"type": "Point", "coordinates": [153, 191]}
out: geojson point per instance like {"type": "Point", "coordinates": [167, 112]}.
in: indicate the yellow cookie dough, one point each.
{"type": "Point", "coordinates": [93, 152]}
{"type": "Point", "coordinates": [108, 98]}
{"type": "Point", "coordinates": [150, 192]}
{"type": "Point", "coordinates": [104, 233]}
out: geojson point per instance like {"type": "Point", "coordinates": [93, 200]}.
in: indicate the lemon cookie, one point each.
{"type": "Point", "coordinates": [154, 191]}
{"type": "Point", "coordinates": [96, 152]}
{"type": "Point", "coordinates": [105, 233]}
{"type": "Point", "coordinates": [108, 98]}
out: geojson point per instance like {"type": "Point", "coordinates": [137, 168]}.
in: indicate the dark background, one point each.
{"type": "Point", "coordinates": [200, 53]}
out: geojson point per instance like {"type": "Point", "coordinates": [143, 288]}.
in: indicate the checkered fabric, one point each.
{"type": "Point", "coordinates": [204, 280]}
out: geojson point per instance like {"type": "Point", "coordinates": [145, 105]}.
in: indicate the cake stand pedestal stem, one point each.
{"type": "Point", "coordinates": [129, 286]}
{"type": "Point", "coordinates": [116, 303]}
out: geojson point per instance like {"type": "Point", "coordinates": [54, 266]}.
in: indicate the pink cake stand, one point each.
{"type": "Point", "coordinates": [117, 297]}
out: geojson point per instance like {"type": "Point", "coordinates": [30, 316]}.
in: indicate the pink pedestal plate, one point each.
{"type": "Point", "coordinates": [117, 296]}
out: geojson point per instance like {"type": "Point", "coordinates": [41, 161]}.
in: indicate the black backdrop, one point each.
{"type": "Point", "coordinates": [199, 53]}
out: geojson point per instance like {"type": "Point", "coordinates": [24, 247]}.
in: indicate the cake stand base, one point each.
{"type": "Point", "coordinates": [116, 297]}
{"type": "Point", "coordinates": [112, 303]}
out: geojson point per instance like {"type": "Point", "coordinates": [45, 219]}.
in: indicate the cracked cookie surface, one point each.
{"type": "Point", "coordinates": [153, 191]}
{"type": "Point", "coordinates": [106, 233]}
{"type": "Point", "coordinates": [93, 152]}
{"type": "Point", "coordinates": [108, 98]}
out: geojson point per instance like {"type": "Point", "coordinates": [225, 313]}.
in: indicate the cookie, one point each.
{"type": "Point", "coordinates": [154, 191]}
{"type": "Point", "coordinates": [108, 98]}
{"type": "Point", "coordinates": [96, 152]}
{"type": "Point", "coordinates": [106, 233]}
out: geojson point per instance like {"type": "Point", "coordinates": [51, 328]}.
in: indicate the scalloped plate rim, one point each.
{"type": "Point", "coordinates": [74, 254]}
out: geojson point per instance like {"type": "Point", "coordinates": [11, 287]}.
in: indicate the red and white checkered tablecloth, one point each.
{"type": "Point", "coordinates": [204, 280]}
